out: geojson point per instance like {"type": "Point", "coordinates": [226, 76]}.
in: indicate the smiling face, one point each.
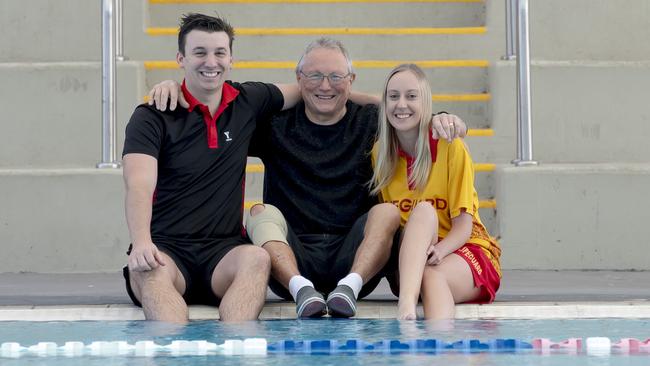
{"type": "Point", "coordinates": [207, 62]}
{"type": "Point", "coordinates": [324, 101]}
{"type": "Point", "coordinates": [404, 102]}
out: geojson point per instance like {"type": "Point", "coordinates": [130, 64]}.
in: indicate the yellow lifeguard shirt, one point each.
{"type": "Point", "coordinates": [449, 189]}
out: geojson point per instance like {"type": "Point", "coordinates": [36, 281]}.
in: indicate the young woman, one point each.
{"type": "Point", "coordinates": [446, 255]}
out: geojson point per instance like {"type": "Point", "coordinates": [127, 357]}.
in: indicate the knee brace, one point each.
{"type": "Point", "coordinates": [268, 225]}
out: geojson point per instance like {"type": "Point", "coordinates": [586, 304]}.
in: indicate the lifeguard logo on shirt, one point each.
{"type": "Point", "coordinates": [227, 133]}
{"type": "Point", "coordinates": [407, 204]}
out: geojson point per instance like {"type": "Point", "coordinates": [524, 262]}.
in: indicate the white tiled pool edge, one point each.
{"type": "Point", "coordinates": [366, 309]}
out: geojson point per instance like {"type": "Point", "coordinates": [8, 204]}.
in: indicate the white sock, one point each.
{"type": "Point", "coordinates": [354, 281]}
{"type": "Point", "coordinates": [296, 283]}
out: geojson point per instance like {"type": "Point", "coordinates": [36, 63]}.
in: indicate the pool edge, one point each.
{"type": "Point", "coordinates": [366, 309]}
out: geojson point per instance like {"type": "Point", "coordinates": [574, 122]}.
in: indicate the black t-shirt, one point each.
{"type": "Point", "coordinates": [317, 175]}
{"type": "Point", "coordinates": [200, 190]}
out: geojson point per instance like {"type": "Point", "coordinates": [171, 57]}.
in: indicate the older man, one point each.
{"type": "Point", "coordinates": [324, 231]}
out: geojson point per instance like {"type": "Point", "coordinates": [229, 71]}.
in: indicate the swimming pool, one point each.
{"type": "Point", "coordinates": [29, 333]}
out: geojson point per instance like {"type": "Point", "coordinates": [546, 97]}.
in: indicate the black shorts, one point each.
{"type": "Point", "coordinates": [196, 261]}
{"type": "Point", "coordinates": [325, 259]}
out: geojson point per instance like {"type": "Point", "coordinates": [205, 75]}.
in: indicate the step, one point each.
{"type": "Point", "coordinates": [53, 217]}
{"type": "Point", "coordinates": [326, 14]}
{"type": "Point", "coordinates": [459, 86]}
{"type": "Point", "coordinates": [50, 30]}
{"type": "Point", "coordinates": [445, 76]}
{"type": "Point", "coordinates": [483, 177]}
{"type": "Point", "coordinates": [362, 46]}
{"type": "Point", "coordinates": [574, 216]}
{"type": "Point", "coordinates": [71, 137]}
{"type": "Point", "coordinates": [483, 182]}
{"type": "Point", "coordinates": [558, 34]}
{"type": "Point", "coordinates": [582, 111]}
{"type": "Point", "coordinates": [64, 127]}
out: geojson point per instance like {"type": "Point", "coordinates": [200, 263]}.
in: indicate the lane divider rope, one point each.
{"type": "Point", "coordinates": [600, 346]}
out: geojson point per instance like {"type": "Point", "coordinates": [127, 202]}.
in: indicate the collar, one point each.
{"type": "Point", "coordinates": [433, 146]}
{"type": "Point", "coordinates": [228, 94]}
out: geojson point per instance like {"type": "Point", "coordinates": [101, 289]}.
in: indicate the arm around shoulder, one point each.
{"type": "Point", "coordinates": [363, 98]}
{"type": "Point", "coordinates": [290, 93]}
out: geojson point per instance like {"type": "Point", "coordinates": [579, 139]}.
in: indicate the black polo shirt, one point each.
{"type": "Point", "coordinates": [318, 175]}
{"type": "Point", "coordinates": [199, 193]}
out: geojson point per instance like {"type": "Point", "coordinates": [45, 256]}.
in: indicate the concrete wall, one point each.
{"type": "Point", "coordinates": [582, 111]}
{"type": "Point", "coordinates": [590, 30]}
{"type": "Point", "coordinates": [589, 76]}
{"type": "Point", "coordinates": [69, 220]}
{"type": "Point", "coordinates": [54, 118]}
{"type": "Point", "coordinates": [66, 220]}
{"type": "Point", "coordinates": [574, 216]}
{"type": "Point", "coordinates": [46, 30]}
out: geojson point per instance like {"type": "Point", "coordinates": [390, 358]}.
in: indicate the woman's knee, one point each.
{"type": "Point", "coordinates": [424, 211]}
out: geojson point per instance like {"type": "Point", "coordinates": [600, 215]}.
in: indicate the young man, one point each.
{"type": "Point", "coordinates": [319, 223]}
{"type": "Point", "coordinates": [184, 173]}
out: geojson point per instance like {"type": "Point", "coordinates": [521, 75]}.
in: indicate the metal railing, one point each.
{"type": "Point", "coordinates": [119, 34]}
{"type": "Point", "coordinates": [109, 147]}
{"type": "Point", "coordinates": [517, 14]}
{"type": "Point", "coordinates": [511, 29]}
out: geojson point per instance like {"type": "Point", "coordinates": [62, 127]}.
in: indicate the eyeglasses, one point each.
{"type": "Point", "coordinates": [316, 78]}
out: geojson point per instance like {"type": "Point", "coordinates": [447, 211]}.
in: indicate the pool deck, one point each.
{"type": "Point", "coordinates": [523, 294]}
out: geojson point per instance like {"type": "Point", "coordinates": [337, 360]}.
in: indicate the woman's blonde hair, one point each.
{"type": "Point", "coordinates": [387, 154]}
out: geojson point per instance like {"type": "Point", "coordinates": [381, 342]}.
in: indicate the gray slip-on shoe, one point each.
{"type": "Point", "coordinates": [341, 302]}
{"type": "Point", "coordinates": [310, 303]}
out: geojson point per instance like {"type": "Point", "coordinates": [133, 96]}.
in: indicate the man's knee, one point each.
{"type": "Point", "coordinates": [257, 208]}
{"type": "Point", "coordinates": [265, 224]}
{"type": "Point", "coordinates": [257, 259]}
{"type": "Point", "coordinates": [389, 213]}
{"type": "Point", "coordinates": [140, 280]}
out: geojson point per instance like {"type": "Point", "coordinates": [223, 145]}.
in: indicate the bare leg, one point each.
{"type": "Point", "coordinates": [374, 251]}
{"type": "Point", "coordinates": [421, 229]}
{"type": "Point", "coordinates": [159, 292]}
{"type": "Point", "coordinates": [445, 285]}
{"type": "Point", "coordinates": [283, 261]}
{"type": "Point", "coordinates": [240, 280]}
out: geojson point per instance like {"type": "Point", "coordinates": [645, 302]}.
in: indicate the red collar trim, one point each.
{"type": "Point", "coordinates": [228, 94]}
{"type": "Point", "coordinates": [433, 146]}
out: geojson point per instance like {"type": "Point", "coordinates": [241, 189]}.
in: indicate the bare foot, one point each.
{"type": "Point", "coordinates": [406, 312]}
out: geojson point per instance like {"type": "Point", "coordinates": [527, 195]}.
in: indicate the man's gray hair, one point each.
{"type": "Point", "coordinates": [328, 43]}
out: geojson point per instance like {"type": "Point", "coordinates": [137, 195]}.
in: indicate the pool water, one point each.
{"type": "Point", "coordinates": [30, 333]}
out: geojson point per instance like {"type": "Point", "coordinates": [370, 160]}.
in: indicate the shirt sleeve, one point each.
{"type": "Point", "coordinates": [144, 133]}
{"type": "Point", "coordinates": [265, 99]}
{"type": "Point", "coordinates": [461, 179]}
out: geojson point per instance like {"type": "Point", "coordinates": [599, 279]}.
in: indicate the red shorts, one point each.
{"type": "Point", "coordinates": [485, 276]}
